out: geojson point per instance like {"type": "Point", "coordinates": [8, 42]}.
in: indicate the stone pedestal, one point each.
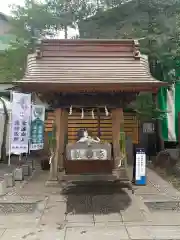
{"type": "Point", "coordinates": [2, 187]}
{"type": "Point", "coordinates": [18, 174]}
{"type": "Point", "coordinates": [26, 170]}
{"type": "Point", "coordinates": [52, 183]}
{"type": "Point", "coordinates": [30, 170]}
{"type": "Point", "coordinates": [9, 179]}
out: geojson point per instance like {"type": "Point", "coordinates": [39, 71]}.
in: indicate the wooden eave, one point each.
{"type": "Point", "coordinates": [88, 65]}
{"type": "Point", "coordinates": [41, 87]}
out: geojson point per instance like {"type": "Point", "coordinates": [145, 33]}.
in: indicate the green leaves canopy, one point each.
{"type": "Point", "coordinates": [146, 108]}
{"type": "Point", "coordinates": [35, 21]}
{"type": "Point", "coordinates": [28, 24]}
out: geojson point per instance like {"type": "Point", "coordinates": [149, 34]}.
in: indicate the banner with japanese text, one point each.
{"type": "Point", "coordinates": [20, 122]}
{"type": "Point", "coordinates": [37, 127]}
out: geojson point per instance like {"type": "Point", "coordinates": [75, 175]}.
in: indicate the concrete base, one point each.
{"type": "Point", "coordinates": [30, 170]}
{"type": "Point", "coordinates": [120, 174]}
{"type": "Point", "coordinates": [26, 170]}
{"type": "Point", "coordinates": [9, 179]}
{"type": "Point", "coordinates": [52, 183]}
{"type": "Point", "coordinates": [18, 174]}
{"type": "Point", "coordinates": [2, 187]}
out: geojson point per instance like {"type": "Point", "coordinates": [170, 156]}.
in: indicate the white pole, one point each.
{"type": "Point", "coordinates": [10, 129]}
{"type": "Point", "coordinates": [29, 135]}
{"type": "Point", "coordinates": [30, 119]}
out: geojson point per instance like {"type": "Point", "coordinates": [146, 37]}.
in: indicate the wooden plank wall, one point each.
{"type": "Point", "coordinates": [131, 125]}
{"type": "Point", "coordinates": [75, 122]}
{"type": "Point", "coordinates": [49, 121]}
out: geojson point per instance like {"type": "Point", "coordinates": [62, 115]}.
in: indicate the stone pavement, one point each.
{"type": "Point", "coordinates": [34, 212]}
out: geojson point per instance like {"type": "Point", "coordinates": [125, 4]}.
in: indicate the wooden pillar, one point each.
{"type": "Point", "coordinates": [54, 164]}
{"type": "Point", "coordinates": [117, 121]}
{"type": "Point", "coordinates": [63, 133]}
{"type": "Point", "coordinates": [61, 121]}
{"type": "Point", "coordinates": [99, 123]}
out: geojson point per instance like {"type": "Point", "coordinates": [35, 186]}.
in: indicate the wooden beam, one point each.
{"type": "Point", "coordinates": [42, 86]}
{"type": "Point", "coordinates": [114, 100]}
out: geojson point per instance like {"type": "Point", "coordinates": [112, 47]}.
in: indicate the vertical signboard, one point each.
{"type": "Point", "coordinates": [140, 168]}
{"type": "Point", "coordinates": [37, 127]}
{"type": "Point", "coordinates": [148, 127]}
{"type": "Point", "coordinates": [20, 122]}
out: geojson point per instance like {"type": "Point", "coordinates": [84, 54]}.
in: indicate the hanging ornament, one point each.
{"type": "Point", "coordinates": [93, 114]}
{"type": "Point", "coordinates": [82, 114]}
{"type": "Point", "coordinates": [70, 110]}
{"type": "Point", "coordinates": [106, 112]}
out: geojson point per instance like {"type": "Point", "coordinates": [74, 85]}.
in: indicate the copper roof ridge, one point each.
{"type": "Point", "coordinates": [133, 44]}
{"type": "Point", "coordinates": [89, 40]}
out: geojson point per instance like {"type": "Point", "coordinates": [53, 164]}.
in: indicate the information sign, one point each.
{"type": "Point", "coordinates": [140, 168]}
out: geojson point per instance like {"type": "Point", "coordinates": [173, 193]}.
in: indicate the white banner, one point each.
{"type": "Point", "coordinates": [20, 122]}
{"type": "Point", "coordinates": [37, 127]}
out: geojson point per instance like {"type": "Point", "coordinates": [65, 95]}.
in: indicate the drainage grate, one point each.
{"type": "Point", "coordinates": [9, 208]}
{"type": "Point", "coordinates": [164, 206]}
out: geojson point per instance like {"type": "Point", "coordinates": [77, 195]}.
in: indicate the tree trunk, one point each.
{"type": "Point", "coordinates": [6, 120]}
{"type": "Point", "coordinates": [65, 32]}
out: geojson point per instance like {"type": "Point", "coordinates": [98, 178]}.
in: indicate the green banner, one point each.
{"type": "Point", "coordinates": [37, 127]}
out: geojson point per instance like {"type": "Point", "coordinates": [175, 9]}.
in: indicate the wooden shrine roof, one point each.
{"type": "Point", "coordinates": [74, 65]}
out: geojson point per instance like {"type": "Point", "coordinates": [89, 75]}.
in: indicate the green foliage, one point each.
{"type": "Point", "coordinates": [32, 21]}
{"type": "Point", "coordinates": [13, 63]}
{"type": "Point", "coordinates": [146, 108]}
{"type": "Point", "coordinates": [68, 13]}
{"type": "Point", "coordinates": [155, 23]}
{"type": "Point", "coordinates": [122, 142]}
{"type": "Point", "coordinates": [52, 138]}
{"type": "Point", "coordinates": [35, 21]}
{"type": "Point", "coordinates": [28, 24]}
